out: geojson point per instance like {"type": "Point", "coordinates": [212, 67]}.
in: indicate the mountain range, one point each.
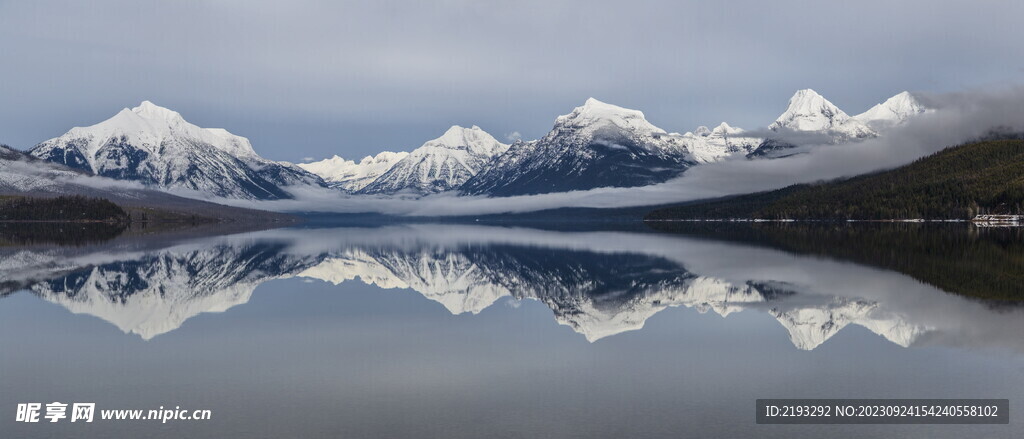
{"type": "Point", "coordinates": [600, 145]}
{"type": "Point", "coordinates": [595, 145]}
{"type": "Point", "coordinates": [810, 118]}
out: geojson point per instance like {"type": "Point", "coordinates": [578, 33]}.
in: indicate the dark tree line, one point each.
{"type": "Point", "coordinates": [956, 183]}
{"type": "Point", "coordinates": [63, 208]}
{"type": "Point", "coordinates": [60, 233]}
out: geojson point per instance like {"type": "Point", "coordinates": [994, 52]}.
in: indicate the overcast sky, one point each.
{"type": "Point", "coordinates": [313, 79]}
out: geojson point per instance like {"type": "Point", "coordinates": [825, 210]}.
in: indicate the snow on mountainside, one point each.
{"type": "Point", "coordinates": [156, 146]}
{"type": "Point", "coordinates": [707, 145]}
{"type": "Point", "coordinates": [599, 145]}
{"type": "Point", "coordinates": [596, 145]}
{"type": "Point", "coordinates": [351, 176]}
{"type": "Point", "coordinates": [440, 165]}
{"type": "Point", "coordinates": [893, 111]}
{"type": "Point", "coordinates": [20, 173]}
{"type": "Point", "coordinates": [809, 111]}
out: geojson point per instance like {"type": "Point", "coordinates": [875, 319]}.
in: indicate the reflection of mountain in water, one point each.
{"type": "Point", "coordinates": [599, 284]}
{"type": "Point", "coordinates": [810, 327]}
{"type": "Point", "coordinates": [157, 292]}
{"type": "Point", "coordinates": [596, 294]}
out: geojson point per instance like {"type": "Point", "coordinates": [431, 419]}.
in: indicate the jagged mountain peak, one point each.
{"type": "Point", "coordinates": [351, 175]}
{"type": "Point", "coordinates": [724, 128]}
{"type": "Point", "coordinates": [806, 95]}
{"type": "Point", "coordinates": [460, 130]}
{"type": "Point", "coordinates": [149, 110]}
{"type": "Point", "coordinates": [598, 105]}
{"type": "Point", "coordinates": [894, 110]}
{"type": "Point", "coordinates": [150, 127]}
{"type": "Point", "coordinates": [438, 165]}
{"type": "Point", "coordinates": [719, 130]}
{"type": "Point", "coordinates": [457, 137]}
{"type": "Point", "coordinates": [441, 164]}
{"type": "Point", "coordinates": [596, 145]}
{"type": "Point", "coordinates": [710, 145]}
{"type": "Point", "coordinates": [596, 113]}
{"type": "Point", "coordinates": [810, 111]}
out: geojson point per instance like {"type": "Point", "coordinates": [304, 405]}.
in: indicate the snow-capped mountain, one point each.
{"type": "Point", "coordinates": [711, 145]}
{"type": "Point", "coordinates": [810, 119]}
{"type": "Point", "coordinates": [596, 145]}
{"type": "Point", "coordinates": [351, 176]}
{"type": "Point", "coordinates": [599, 145]}
{"type": "Point", "coordinates": [893, 111]}
{"type": "Point", "coordinates": [810, 111]}
{"type": "Point", "coordinates": [440, 165]}
{"type": "Point", "coordinates": [156, 146]}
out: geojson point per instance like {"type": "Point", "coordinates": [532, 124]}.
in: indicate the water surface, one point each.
{"type": "Point", "coordinates": [424, 330]}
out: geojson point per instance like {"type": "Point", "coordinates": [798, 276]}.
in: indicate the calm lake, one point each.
{"type": "Point", "coordinates": [473, 331]}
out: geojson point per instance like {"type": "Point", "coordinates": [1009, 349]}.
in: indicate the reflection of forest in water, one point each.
{"type": "Point", "coordinates": [958, 258]}
{"type": "Point", "coordinates": [59, 233]}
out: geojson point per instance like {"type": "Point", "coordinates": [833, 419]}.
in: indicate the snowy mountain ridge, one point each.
{"type": "Point", "coordinates": [711, 145]}
{"type": "Point", "coordinates": [596, 145]}
{"type": "Point", "coordinates": [599, 144]}
{"type": "Point", "coordinates": [440, 165]}
{"type": "Point", "coordinates": [810, 111]}
{"type": "Point", "coordinates": [147, 126]}
{"type": "Point", "coordinates": [893, 111]}
{"type": "Point", "coordinates": [352, 176]}
{"type": "Point", "coordinates": [157, 147]}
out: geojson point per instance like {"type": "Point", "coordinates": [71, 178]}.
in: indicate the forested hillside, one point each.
{"type": "Point", "coordinates": [65, 208]}
{"type": "Point", "coordinates": [955, 183]}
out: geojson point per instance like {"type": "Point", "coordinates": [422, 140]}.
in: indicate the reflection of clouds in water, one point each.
{"type": "Point", "coordinates": [598, 283]}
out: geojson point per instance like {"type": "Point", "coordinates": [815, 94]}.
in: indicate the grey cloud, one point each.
{"type": "Point", "coordinates": [315, 78]}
